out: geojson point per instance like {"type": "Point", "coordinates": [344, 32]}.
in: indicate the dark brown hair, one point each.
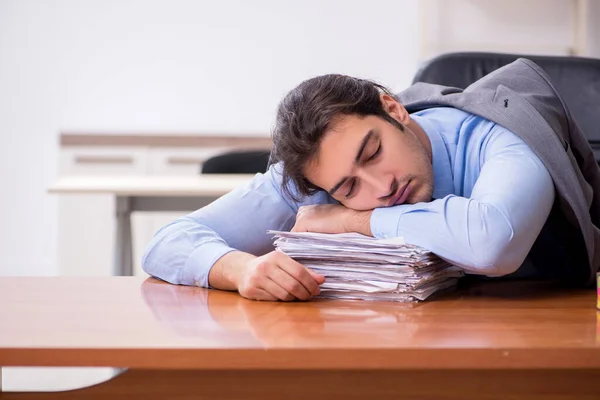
{"type": "Point", "coordinates": [306, 113]}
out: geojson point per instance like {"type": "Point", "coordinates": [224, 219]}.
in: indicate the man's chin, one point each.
{"type": "Point", "coordinates": [425, 198]}
{"type": "Point", "coordinates": [420, 196]}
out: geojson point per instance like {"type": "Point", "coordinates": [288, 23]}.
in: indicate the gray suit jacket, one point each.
{"type": "Point", "coordinates": [521, 98]}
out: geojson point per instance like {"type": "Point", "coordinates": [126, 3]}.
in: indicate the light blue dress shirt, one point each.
{"type": "Point", "coordinates": [492, 197]}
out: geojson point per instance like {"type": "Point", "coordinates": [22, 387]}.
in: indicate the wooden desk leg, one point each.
{"type": "Point", "coordinates": [329, 385]}
{"type": "Point", "coordinates": [123, 241]}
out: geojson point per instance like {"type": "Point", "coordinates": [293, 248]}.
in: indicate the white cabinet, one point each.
{"type": "Point", "coordinates": [177, 161]}
{"type": "Point", "coordinates": [86, 228]}
{"type": "Point", "coordinates": [87, 225]}
{"type": "Point", "coordinates": [96, 161]}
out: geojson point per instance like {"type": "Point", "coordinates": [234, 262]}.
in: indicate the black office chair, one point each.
{"type": "Point", "coordinates": [576, 78]}
{"type": "Point", "coordinates": [237, 162]}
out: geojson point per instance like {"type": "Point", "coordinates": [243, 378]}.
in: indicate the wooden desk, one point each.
{"type": "Point", "coordinates": [144, 193]}
{"type": "Point", "coordinates": [490, 341]}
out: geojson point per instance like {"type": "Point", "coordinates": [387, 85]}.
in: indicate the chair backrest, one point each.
{"type": "Point", "coordinates": [237, 162]}
{"type": "Point", "coordinates": [576, 78]}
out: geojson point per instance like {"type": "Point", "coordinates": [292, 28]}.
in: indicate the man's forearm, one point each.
{"type": "Point", "coordinates": [361, 222]}
{"type": "Point", "coordinates": [332, 218]}
{"type": "Point", "coordinates": [225, 273]}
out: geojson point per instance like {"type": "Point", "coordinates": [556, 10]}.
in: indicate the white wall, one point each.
{"type": "Point", "coordinates": [164, 66]}
{"type": "Point", "coordinates": [592, 38]}
{"type": "Point", "coordinates": [206, 66]}
{"type": "Point", "coordinates": [511, 26]}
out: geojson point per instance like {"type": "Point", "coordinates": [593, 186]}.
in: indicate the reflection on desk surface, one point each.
{"type": "Point", "coordinates": [131, 322]}
{"type": "Point", "coordinates": [486, 315]}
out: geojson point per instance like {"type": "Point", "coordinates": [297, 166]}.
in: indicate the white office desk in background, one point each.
{"type": "Point", "coordinates": [150, 194]}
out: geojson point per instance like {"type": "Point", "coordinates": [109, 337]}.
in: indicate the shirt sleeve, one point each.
{"type": "Point", "coordinates": [491, 231]}
{"type": "Point", "coordinates": [184, 251]}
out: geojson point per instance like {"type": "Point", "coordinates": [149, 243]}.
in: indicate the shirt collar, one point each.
{"type": "Point", "coordinates": [443, 182]}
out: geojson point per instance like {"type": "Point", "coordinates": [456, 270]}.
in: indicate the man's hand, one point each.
{"type": "Point", "coordinates": [332, 218]}
{"type": "Point", "coordinates": [275, 276]}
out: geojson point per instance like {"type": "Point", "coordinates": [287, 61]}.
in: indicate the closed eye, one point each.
{"type": "Point", "coordinates": [374, 155]}
{"type": "Point", "coordinates": [352, 189]}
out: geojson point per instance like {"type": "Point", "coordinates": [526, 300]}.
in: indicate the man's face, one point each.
{"type": "Point", "coordinates": [367, 162]}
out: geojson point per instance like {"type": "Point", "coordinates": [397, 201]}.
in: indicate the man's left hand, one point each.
{"type": "Point", "coordinates": [332, 218]}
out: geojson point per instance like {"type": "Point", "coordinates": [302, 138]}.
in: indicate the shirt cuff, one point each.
{"type": "Point", "coordinates": [200, 262]}
{"type": "Point", "coordinates": [385, 221]}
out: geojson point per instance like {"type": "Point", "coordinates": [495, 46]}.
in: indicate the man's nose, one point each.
{"type": "Point", "coordinates": [380, 184]}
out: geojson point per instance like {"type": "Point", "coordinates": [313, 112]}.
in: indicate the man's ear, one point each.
{"type": "Point", "coordinates": [395, 109]}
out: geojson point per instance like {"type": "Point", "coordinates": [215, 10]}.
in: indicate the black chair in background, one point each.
{"type": "Point", "coordinates": [576, 78]}
{"type": "Point", "coordinates": [237, 162]}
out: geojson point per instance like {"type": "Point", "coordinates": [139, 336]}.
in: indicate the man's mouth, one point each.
{"type": "Point", "coordinates": [400, 196]}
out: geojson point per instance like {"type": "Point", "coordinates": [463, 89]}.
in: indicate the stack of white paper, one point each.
{"type": "Point", "coordinates": [361, 267]}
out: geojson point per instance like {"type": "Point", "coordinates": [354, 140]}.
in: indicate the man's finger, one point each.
{"type": "Point", "coordinates": [264, 295]}
{"type": "Point", "coordinates": [299, 273]}
{"type": "Point", "coordinates": [277, 291]}
{"type": "Point", "coordinates": [297, 228]}
{"type": "Point", "coordinates": [257, 294]}
{"type": "Point", "coordinates": [290, 284]}
{"type": "Point", "coordinates": [319, 278]}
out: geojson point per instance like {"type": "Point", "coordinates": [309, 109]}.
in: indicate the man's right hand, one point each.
{"type": "Point", "coordinates": [275, 276]}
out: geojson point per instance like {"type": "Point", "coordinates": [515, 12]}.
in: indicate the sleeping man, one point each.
{"type": "Point", "coordinates": [496, 179]}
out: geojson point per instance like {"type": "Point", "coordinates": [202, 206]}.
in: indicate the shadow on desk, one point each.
{"type": "Point", "coordinates": [511, 289]}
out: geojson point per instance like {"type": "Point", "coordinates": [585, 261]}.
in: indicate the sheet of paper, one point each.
{"type": "Point", "coordinates": [364, 268]}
